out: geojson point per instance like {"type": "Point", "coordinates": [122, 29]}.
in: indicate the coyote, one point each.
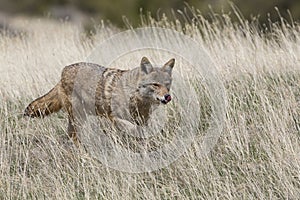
{"type": "Point", "coordinates": [122, 96]}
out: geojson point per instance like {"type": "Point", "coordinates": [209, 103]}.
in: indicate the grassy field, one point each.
{"type": "Point", "coordinates": [256, 157]}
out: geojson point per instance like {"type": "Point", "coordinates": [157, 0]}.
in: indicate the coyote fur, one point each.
{"type": "Point", "coordinates": [119, 95]}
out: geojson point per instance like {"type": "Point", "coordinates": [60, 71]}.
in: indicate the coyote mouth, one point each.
{"type": "Point", "coordinates": [166, 99]}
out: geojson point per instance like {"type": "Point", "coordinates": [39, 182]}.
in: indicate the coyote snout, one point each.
{"type": "Point", "coordinates": [167, 98]}
{"type": "Point", "coordinates": [143, 88]}
{"type": "Point", "coordinates": [157, 91]}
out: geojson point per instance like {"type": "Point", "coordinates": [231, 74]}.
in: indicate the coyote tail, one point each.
{"type": "Point", "coordinates": [46, 104]}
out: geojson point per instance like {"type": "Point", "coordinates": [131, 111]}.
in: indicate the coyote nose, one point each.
{"type": "Point", "coordinates": [167, 98]}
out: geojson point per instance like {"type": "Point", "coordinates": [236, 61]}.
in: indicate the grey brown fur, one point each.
{"type": "Point", "coordinates": [120, 95]}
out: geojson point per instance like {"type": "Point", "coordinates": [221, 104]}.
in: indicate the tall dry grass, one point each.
{"type": "Point", "coordinates": [257, 155]}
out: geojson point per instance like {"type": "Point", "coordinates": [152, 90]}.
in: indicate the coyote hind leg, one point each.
{"type": "Point", "coordinates": [72, 125]}
{"type": "Point", "coordinates": [72, 132]}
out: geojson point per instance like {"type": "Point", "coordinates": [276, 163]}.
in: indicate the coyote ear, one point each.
{"type": "Point", "coordinates": [169, 66]}
{"type": "Point", "coordinates": [146, 66]}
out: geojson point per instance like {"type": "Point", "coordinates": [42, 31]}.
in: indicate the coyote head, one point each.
{"type": "Point", "coordinates": [155, 82]}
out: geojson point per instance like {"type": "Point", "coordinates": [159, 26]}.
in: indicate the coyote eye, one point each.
{"type": "Point", "coordinates": [155, 84]}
